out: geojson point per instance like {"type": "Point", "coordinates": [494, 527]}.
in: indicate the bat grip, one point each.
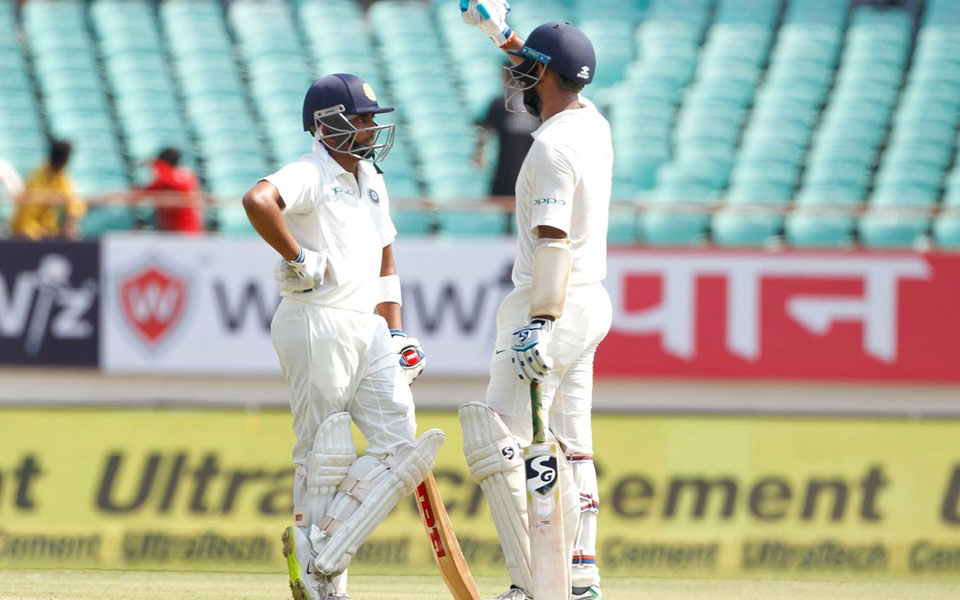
{"type": "Point", "coordinates": [536, 411]}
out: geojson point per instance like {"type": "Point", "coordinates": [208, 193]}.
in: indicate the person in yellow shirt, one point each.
{"type": "Point", "coordinates": [50, 206]}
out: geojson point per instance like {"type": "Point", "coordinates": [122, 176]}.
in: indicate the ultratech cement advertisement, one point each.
{"type": "Point", "coordinates": [722, 496]}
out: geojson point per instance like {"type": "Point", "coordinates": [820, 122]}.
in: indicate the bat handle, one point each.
{"type": "Point", "coordinates": [536, 411]}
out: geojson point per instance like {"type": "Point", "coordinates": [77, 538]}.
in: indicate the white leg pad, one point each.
{"type": "Point", "coordinates": [333, 453]}
{"type": "Point", "coordinates": [369, 492]}
{"type": "Point", "coordinates": [496, 464]}
{"type": "Point", "coordinates": [585, 572]}
{"type": "Point", "coordinates": [315, 484]}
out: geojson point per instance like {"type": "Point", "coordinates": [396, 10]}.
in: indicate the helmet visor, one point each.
{"type": "Point", "coordinates": [523, 76]}
{"type": "Point", "coordinates": [340, 134]}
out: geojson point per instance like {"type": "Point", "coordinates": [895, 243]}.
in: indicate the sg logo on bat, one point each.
{"type": "Point", "coordinates": [541, 469]}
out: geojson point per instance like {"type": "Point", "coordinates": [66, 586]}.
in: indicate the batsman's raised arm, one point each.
{"type": "Point", "coordinates": [490, 16]}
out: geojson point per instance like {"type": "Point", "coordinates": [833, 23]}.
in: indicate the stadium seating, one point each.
{"type": "Point", "coordinates": [230, 153]}
{"type": "Point", "coordinates": [66, 70]}
{"type": "Point", "coordinates": [735, 122]}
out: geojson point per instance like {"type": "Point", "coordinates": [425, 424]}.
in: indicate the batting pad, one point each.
{"type": "Point", "coordinates": [328, 463]}
{"type": "Point", "coordinates": [584, 570]}
{"type": "Point", "coordinates": [367, 494]}
{"type": "Point", "coordinates": [496, 464]}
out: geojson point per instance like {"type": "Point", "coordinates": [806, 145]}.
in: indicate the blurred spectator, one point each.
{"type": "Point", "coordinates": [179, 210]}
{"type": "Point", "coordinates": [50, 206]}
{"type": "Point", "coordinates": [10, 181]}
{"type": "Point", "coordinates": [513, 130]}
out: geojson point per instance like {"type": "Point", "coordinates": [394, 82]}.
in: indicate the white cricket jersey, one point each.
{"type": "Point", "coordinates": [328, 211]}
{"type": "Point", "coordinates": [564, 182]}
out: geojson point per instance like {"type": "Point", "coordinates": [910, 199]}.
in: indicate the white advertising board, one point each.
{"type": "Point", "coordinates": [181, 305]}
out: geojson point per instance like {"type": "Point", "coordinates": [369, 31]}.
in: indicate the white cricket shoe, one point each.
{"type": "Point", "coordinates": [305, 584]}
{"type": "Point", "coordinates": [514, 593]}
{"type": "Point", "coordinates": [587, 593]}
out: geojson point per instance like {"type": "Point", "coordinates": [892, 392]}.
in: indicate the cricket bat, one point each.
{"type": "Point", "coordinates": [443, 542]}
{"type": "Point", "coordinates": [548, 560]}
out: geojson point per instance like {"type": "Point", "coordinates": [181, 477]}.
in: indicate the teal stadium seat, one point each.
{"type": "Point", "coordinates": [809, 229]}
{"type": "Point", "coordinates": [735, 227]}
{"type": "Point", "coordinates": [623, 227]}
{"type": "Point", "coordinates": [888, 229]}
{"type": "Point", "coordinates": [101, 219]}
{"type": "Point", "coordinates": [232, 220]}
{"type": "Point", "coordinates": [413, 222]}
{"type": "Point", "coordinates": [665, 227]}
{"type": "Point", "coordinates": [946, 230]}
{"type": "Point", "coordinates": [825, 195]}
{"type": "Point", "coordinates": [757, 194]}
{"type": "Point", "coordinates": [469, 223]}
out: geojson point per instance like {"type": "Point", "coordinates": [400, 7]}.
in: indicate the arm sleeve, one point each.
{"type": "Point", "coordinates": [295, 184]}
{"type": "Point", "coordinates": [554, 185]}
{"type": "Point", "coordinates": [388, 232]}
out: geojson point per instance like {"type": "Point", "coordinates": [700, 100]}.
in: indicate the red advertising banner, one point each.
{"type": "Point", "coordinates": [817, 315]}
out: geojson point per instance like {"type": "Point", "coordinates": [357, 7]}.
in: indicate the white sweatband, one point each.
{"type": "Point", "coordinates": [390, 289]}
{"type": "Point", "coordinates": [552, 259]}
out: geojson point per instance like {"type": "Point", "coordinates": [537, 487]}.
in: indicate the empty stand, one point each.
{"type": "Point", "coordinates": [735, 122]}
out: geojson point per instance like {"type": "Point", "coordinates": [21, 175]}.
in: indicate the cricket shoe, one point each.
{"type": "Point", "coordinates": [514, 593]}
{"type": "Point", "coordinates": [304, 584]}
{"type": "Point", "coordinates": [587, 593]}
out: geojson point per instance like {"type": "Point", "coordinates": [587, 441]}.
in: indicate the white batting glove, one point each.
{"type": "Point", "coordinates": [530, 350]}
{"type": "Point", "coordinates": [410, 353]}
{"type": "Point", "coordinates": [491, 17]}
{"type": "Point", "coordinates": [301, 275]}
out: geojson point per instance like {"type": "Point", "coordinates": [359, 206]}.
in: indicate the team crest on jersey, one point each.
{"type": "Point", "coordinates": [368, 92]}
{"type": "Point", "coordinates": [374, 197]}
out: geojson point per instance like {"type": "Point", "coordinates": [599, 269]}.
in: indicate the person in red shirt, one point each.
{"type": "Point", "coordinates": [176, 212]}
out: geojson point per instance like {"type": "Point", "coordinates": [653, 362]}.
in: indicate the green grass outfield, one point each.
{"type": "Point", "coordinates": [139, 585]}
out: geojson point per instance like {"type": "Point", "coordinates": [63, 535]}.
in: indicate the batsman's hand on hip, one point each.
{"type": "Point", "coordinates": [301, 275]}
{"type": "Point", "coordinates": [491, 17]}
{"type": "Point", "coordinates": [410, 353]}
{"type": "Point", "coordinates": [529, 349]}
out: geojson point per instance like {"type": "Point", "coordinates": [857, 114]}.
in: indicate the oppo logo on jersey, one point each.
{"type": "Point", "coordinates": [543, 201]}
{"type": "Point", "coordinates": [339, 190]}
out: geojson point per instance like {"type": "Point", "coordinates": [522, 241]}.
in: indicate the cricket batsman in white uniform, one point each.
{"type": "Point", "coordinates": [550, 325]}
{"type": "Point", "coordinates": [338, 335]}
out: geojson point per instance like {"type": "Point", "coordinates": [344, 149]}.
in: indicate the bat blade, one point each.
{"type": "Point", "coordinates": [443, 542]}
{"type": "Point", "coordinates": [548, 560]}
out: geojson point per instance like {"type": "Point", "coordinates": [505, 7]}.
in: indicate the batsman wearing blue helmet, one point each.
{"type": "Point", "coordinates": [338, 335]}
{"type": "Point", "coordinates": [550, 325]}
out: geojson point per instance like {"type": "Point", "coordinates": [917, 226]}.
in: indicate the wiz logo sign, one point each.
{"type": "Point", "coordinates": [35, 304]}
{"type": "Point", "coordinates": [152, 300]}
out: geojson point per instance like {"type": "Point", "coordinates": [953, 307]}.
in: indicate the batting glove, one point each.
{"type": "Point", "coordinates": [303, 274]}
{"type": "Point", "coordinates": [491, 17]}
{"type": "Point", "coordinates": [412, 358]}
{"type": "Point", "coordinates": [530, 350]}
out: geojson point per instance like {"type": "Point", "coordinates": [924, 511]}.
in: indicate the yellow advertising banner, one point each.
{"type": "Point", "coordinates": [697, 495]}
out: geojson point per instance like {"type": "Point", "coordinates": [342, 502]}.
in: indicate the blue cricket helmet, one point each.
{"type": "Point", "coordinates": [564, 49]}
{"type": "Point", "coordinates": [354, 95]}
{"type": "Point", "coordinates": [330, 106]}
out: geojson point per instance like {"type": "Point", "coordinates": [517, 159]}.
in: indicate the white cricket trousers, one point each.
{"type": "Point", "coordinates": [567, 392]}
{"type": "Point", "coordinates": [567, 396]}
{"type": "Point", "coordinates": [337, 360]}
